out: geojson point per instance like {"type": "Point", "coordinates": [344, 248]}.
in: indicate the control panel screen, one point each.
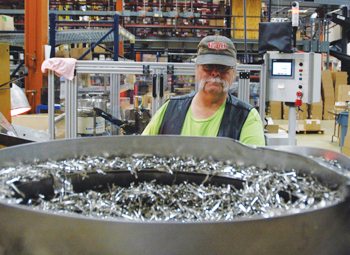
{"type": "Point", "coordinates": [282, 67]}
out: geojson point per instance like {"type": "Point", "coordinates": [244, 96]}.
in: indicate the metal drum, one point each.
{"type": "Point", "coordinates": [27, 231]}
{"type": "Point", "coordinates": [88, 123]}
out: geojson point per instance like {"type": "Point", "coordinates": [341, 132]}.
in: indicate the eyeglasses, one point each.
{"type": "Point", "coordinates": [220, 68]}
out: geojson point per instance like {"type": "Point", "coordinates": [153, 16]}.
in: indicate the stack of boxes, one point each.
{"type": "Point", "coordinates": [340, 80]}
{"type": "Point", "coordinates": [342, 91]}
{"type": "Point", "coordinates": [335, 93]}
{"type": "Point", "coordinates": [343, 96]}
{"type": "Point", "coordinates": [302, 113]}
{"type": "Point", "coordinates": [316, 110]}
{"type": "Point", "coordinates": [79, 51]}
{"type": "Point", "coordinates": [64, 51]}
{"type": "Point", "coordinates": [275, 110]}
{"type": "Point", "coordinates": [327, 95]}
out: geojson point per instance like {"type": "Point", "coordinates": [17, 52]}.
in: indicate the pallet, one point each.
{"type": "Point", "coordinates": [321, 132]}
{"type": "Point", "coordinates": [301, 130]}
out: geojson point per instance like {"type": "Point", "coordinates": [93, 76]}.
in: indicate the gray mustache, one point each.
{"type": "Point", "coordinates": [223, 83]}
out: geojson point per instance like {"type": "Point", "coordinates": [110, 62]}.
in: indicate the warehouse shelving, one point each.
{"type": "Point", "coordinates": [159, 25]}
{"type": "Point", "coordinates": [174, 18]}
{"type": "Point", "coordinates": [88, 32]}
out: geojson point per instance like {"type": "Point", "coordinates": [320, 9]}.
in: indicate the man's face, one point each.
{"type": "Point", "coordinates": [214, 79]}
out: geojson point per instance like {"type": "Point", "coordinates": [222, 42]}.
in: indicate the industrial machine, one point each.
{"type": "Point", "coordinates": [293, 78]}
{"type": "Point", "coordinates": [313, 231]}
{"type": "Point", "coordinates": [290, 73]}
{"type": "Point", "coordinates": [161, 86]}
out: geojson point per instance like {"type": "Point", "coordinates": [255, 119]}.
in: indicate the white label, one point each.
{"type": "Point", "coordinates": [295, 16]}
{"type": "Point", "coordinates": [86, 125]}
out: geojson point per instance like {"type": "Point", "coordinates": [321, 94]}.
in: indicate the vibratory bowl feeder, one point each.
{"type": "Point", "coordinates": [169, 195]}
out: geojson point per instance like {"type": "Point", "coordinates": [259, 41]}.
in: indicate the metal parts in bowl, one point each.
{"type": "Point", "coordinates": [332, 159]}
{"type": "Point", "coordinates": [152, 188]}
{"type": "Point", "coordinates": [313, 231]}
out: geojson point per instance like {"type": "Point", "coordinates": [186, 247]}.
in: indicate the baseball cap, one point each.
{"type": "Point", "coordinates": [216, 49]}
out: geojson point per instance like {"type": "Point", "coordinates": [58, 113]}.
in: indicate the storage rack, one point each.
{"type": "Point", "coordinates": [93, 36]}
{"type": "Point", "coordinates": [194, 12]}
{"type": "Point", "coordinates": [174, 25]}
{"type": "Point", "coordinates": [16, 38]}
{"type": "Point", "coordinates": [175, 18]}
{"type": "Point", "coordinates": [72, 36]}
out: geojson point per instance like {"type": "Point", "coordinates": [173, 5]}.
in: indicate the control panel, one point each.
{"type": "Point", "coordinates": [292, 77]}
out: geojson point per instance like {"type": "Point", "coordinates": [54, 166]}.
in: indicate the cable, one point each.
{"type": "Point", "coordinates": [13, 80]}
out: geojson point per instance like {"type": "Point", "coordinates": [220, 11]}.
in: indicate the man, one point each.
{"type": "Point", "coordinates": [212, 111]}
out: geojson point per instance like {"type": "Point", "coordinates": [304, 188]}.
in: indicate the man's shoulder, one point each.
{"type": "Point", "coordinates": [238, 103]}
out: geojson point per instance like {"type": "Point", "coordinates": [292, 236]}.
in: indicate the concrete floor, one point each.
{"type": "Point", "coordinates": [323, 141]}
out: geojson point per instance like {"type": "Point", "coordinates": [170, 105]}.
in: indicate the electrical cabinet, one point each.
{"type": "Point", "coordinates": [289, 73]}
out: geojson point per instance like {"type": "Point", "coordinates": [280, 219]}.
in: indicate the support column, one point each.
{"type": "Point", "coordinates": [119, 8]}
{"type": "Point", "coordinates": [36, 36]}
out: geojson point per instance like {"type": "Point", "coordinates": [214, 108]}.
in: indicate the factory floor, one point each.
{"type": "Point", "coordinates": [322, 139]}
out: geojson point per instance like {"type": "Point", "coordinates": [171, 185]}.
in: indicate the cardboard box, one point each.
{"type": "Point", "coordinates": [212, 22]}
{"type": "Point", "coordinates": [217, 22]}
{"type": "Point", "coordinates": [316, 110]}
{"type": "Point", "coordinates": [327, 79]}
{"type": "Point", "coordinates": [312, 125]}
{"type": "Point", "coordinates": [99, 49]}
{"type": "Point", "coordinates": [343, 94]}
{"type": "Point", "coordinates": [272, 128]}
{"type": "Point", "coordinates": [275, 110]}
{"type": "Point", "coordinates": [78, 52]}
{"type": "Point", "coordinates": [301, 115]}
{"type": "Point", "coordinates": [327, 92]}
{"type": "Point", "coordinates": [62, 54]}
{"type": "Point", "coordinates": [345, 150]}
{"type": "Point", "coordinates": [339, 78]}
{"type": "Point", "coordinates": [328, 111]}
{"type": "Point", "coordinates": [88, 56]}
{"type": "Point", "coordinates": [6, 23]}
{"type": "Point", "coordinates": [340, 106]}
{"type": "Point", "coordinates": [149, 58]}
